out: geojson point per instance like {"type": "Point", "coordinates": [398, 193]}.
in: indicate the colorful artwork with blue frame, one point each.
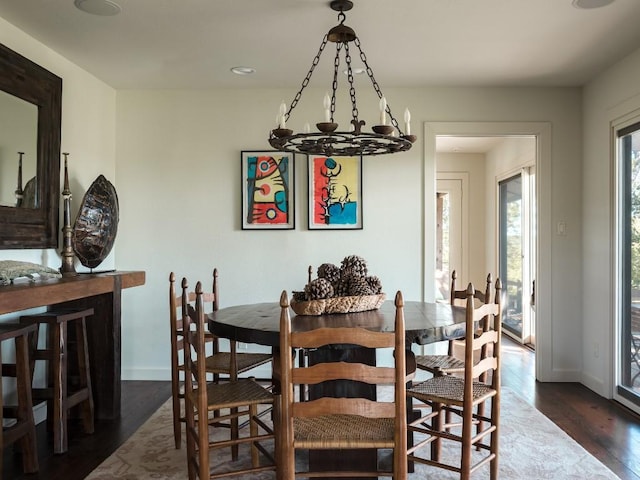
{"type": "Point", "coordinates": [335, 193]}
{"type": "Point", "coordinates": [267, 190]}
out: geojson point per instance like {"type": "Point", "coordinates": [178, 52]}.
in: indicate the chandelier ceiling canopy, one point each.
{"type": "Point", "coordinates": [385, 137]}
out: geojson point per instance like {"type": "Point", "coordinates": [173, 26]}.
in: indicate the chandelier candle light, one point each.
{"type": "Point", "coordinates": [328, 141]}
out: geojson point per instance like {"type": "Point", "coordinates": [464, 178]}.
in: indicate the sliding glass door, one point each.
{"type": "Point", "coordinates": [628, 276]}
{"type": "Point", "coordinates": [517, 254]}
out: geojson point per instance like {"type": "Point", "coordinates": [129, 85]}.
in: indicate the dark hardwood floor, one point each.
{"type": "Point", "coordinates": [605, 429]}
{"type": "Point", "coordinates": [139, 400]}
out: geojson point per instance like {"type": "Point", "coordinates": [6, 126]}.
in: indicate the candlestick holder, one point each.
{"type": "Point", "coordinates": [282, 132]}
{"type": "Point", "coordinates": [383, 129]}
{"type": "Point", "coordinates": [67, 269]}
{"type": "Point", "coordinates": [326, 127]}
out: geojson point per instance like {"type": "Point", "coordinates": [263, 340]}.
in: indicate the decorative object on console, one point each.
{"type": "Point", "coordinates": [335, 193]}
{"type": "Point", "coordinates": [345, 289]}
{"type": "Point", "coordinates": [67, 267]}
{"type": "Point", "coordinates": [386, 138]}
{"type": "Point", "coordinates": [19, 185]}
{"type": "Point", "coordinates": [267, 190]}
{"type": "Point", "coordinates": [96, 225]}
{"type": "Point", "coordinates": [12, 269]}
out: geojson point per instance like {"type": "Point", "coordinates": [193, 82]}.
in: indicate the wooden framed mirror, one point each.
{"type": "Point", "coordinates": [26, 82]}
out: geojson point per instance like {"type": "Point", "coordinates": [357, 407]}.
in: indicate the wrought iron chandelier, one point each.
{"type": "Point", "coordinates": [328, 141]}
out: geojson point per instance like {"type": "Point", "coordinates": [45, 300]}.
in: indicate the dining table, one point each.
{"type": "Point", "coordinates": [259, 323]}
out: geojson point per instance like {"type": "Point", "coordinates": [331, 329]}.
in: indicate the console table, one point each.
{"type": "Point", "coordinates": [102, 291]}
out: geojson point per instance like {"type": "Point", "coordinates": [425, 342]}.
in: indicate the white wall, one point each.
{"type": "Point", "coordinates": [609, 97]}
{"type": "Point", "coordinates": [178, 178]}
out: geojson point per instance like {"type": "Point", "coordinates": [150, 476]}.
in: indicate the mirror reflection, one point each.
{"type": "Point", "coordinates": [18, 133]}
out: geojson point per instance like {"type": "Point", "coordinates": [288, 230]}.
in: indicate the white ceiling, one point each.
{"type": "Point", "coordinates": [408, 43]}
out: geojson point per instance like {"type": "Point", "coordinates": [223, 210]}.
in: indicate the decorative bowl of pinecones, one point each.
{"type": "Point", "coordinates": [344, 289]}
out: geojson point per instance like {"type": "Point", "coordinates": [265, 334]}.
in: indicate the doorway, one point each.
{"type": "Point", "coordinates": [539, 134]}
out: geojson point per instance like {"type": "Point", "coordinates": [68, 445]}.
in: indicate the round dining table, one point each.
{"type": "Point", "coordinates": [259, 323]}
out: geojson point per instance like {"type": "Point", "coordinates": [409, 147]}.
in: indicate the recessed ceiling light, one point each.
{"type": "Point", "coordinates": [104, 8]}
{"type": "Point", "coordinates": [591, 3]}
{"type": "Point", "coordinates": [243, 70]}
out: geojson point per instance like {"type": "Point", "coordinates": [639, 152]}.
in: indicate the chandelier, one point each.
{"type": "Point", "coordinates": [387, 137]}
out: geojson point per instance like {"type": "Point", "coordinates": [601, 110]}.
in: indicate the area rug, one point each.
{"type": "Point", "coordinates": [531, 446]}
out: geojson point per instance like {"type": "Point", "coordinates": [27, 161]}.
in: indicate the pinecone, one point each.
{"type": "Point", "coordinates": [353, 285]}
{"type": "Point", "coordinates": [374, 284]}
{"type": "Point", "coordinates": [355, 265]}
{"type": "Point", "coordinates": [359, 286]}
{"type": "Point", "coordinates": [299, 296]}
{"type": "Point", "coordinates": [330, 272]}
{"type": "Point", "coordinates": [318, 289]}
{"type": "Point", "coordinates": [343, 286]}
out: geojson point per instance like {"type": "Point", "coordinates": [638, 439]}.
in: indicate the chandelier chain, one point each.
{"type": "Point", "coordinates": [334, 85]}
{"type": "Point", "coordinates": [352, 90]}
{"type": "Point", "coordinates": [376, 87]}
{"type": "Point", "coordinates": [306, 80]}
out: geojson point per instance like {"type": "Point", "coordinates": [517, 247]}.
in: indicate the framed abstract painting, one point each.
{"type": "Point", "coordinates": [335, 193]}
{"type": "Point", "coordinates": [267, 190]}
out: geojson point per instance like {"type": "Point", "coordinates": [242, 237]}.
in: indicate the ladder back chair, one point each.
{"type": "Point", "coordinates": [342, 423]}
{"type": "Point", "coordinates": [220, 365]}
{"type": "Point", "coordinates": [462, 397]}
{"type": "Point", "coordinates": [238, 397]}
{"type": "Point", "coordinates": [450, 363]}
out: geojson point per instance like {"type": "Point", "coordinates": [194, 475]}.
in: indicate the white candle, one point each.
{"type": "Point", "coordinates": [327, 108]}
{"type": "Point", "coordinates": [283, 111]}
{"type": "Point", "coordinates": [407, 121]}
{"type": "Point", "coordinates": [383, 111]}
{"type": "Point", "coordinates": [307, 128]}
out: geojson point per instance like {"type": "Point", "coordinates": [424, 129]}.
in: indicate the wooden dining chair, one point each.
{"type": "Point", "coordinates": [451, 363]}
{"type": "Point", "coordinates": [236, 398]}
{"type": "Point", "coordinates": [461, 396]}
{"type": "Point", "coordinates": [342, 423]}
{"type": "Point", "coordinates": [220, 365]}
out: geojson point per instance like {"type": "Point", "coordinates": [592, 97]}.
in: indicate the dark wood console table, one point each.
{"type": "Point", "coordinates": [102, 291]}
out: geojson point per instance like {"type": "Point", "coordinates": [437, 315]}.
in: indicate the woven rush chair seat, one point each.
{"type": "Point", "coordinates": [449, 389]}
{"type": "Point", "coordinates": [330, 431]}
{"type": "Point", "coordinates": [442, 363]}
{"type": "Point", "coordinates": [219, 363]}
{"type": "Point", "coordinates": [240, 393]}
